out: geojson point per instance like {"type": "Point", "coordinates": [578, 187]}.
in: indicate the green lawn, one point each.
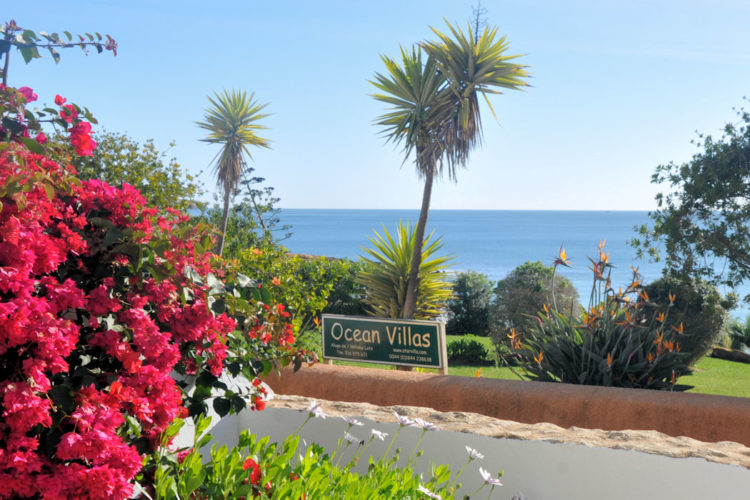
{"type": "Point", "coordinates": [718, 376]}
{"type": "Point", "coordinates": [711, 375]}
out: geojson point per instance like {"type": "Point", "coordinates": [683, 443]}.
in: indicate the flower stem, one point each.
{"type": "Point", "coordinates": [460, 472]}
{"type": "Point", "coordinates": [393, 439]}
{"type": "Point", "coordinates": [414, 451]}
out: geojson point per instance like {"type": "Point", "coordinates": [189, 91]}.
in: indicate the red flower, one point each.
{"type": "Point", "coordinates": [255, 472]}
{"type": "Point", "coordinates": [41, 138]}
{"type": "Point", "coordinates": [59, 100]}
{"type": "Point", "coordinates": [68, 112]}
{"type": "Point", "coordinates": [81, 140]}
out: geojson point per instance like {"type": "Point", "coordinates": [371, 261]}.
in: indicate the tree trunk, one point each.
{"type": "Point", "coordinates": [260, 216]}
{"type": "Point", "coordinates": [224, 218]}
{"type": "Point", "coordinates": [410, 304]}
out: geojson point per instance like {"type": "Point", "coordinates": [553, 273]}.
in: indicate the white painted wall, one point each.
{"type": "Point", "coordinates": [540, 470]}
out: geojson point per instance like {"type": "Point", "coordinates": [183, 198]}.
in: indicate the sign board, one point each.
{"type": "Point", "coordinates": [387, 341]}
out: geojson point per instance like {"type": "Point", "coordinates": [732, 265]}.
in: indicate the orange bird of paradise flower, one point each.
{"type": "Point", "coordinates": [539, 358]}
{"type": "Point", "coordinates": [562, 258]}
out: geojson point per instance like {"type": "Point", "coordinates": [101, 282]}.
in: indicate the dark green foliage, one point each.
{"type": "Point", "coordinates": [469, 308]}
{"type": "Point", "coordinates": [521, 295]}
{"type": "Point", "coordinates": [347, 296]}
{"type": "Point", "coordinates": [739, 334]}
{"type": "Point", "coordinates": [698, 306]}
{"type": "Point", "coordinates": [702, 221]}
{"type": "Point", "coordinates": [468, 351]}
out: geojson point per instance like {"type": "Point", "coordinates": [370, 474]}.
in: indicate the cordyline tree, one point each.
{"type": "Point", "coordinates": [703, 222]}
{"type": "Point", "coordinates": [29, 43]}
{"type": "Point", "coordinates": [231, 121]}
{"type": "Point", "coordinates": [434, 97]}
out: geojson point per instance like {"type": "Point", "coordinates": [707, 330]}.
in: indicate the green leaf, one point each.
{"type": "Point", "coordinates": [55, 54]}
{"type": "Point", "coordinates": [222, 406]}
{"type": "Point", "coordinates": [62, 396]}
{"type": "Point", "coordinates": [32, 145]}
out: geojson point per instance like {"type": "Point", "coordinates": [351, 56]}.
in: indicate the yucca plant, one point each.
{"type": "Point", "coordinates": [434, 108]}
{"type": "Point", "coordinates": [232, 122]}
{"type": "Point", "coordinates": [386, 280]}
{"type": "Point", "coordinates": [612, 343]}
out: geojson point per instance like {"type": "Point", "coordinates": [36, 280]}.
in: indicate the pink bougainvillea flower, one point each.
{"type": "Point", "coordinates": [68, 112]}
{"type": "Point", "coordinates": [28, 94]}
{"type": "Point", "coordinates": [59, 100]}
{"type": "Point", "coordinates": [81, 140]}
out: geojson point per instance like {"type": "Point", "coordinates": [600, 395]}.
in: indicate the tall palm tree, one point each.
{"type": "Point", "coordinates": [435, 109]}
{"type": "Point", "coordinates": [231, 121]}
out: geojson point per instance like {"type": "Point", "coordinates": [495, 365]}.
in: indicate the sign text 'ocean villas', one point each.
{"type": "Point", "coordinates": [387, 341]}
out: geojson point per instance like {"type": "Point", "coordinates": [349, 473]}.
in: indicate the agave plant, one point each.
{"type": "Point", "coordinates": [386, 279]}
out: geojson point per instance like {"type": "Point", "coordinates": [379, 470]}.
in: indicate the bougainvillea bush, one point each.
{"type": "Point", "coordinates": [102, 300]}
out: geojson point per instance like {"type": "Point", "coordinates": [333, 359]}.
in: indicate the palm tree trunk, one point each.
{"type": "Point", "coordinates": [224, 218]}
{"type": "Point", "coordinates": [410, 304]}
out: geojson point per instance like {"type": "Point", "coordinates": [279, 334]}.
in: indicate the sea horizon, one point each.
{"type": "Point", "coordinates": [492, 242]}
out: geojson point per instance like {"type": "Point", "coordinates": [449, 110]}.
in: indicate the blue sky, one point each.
{"type": "Point", "coordinates": [617, 88]}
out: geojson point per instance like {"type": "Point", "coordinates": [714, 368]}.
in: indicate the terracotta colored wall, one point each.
{"type": "Point", "coordinates": [700, 416]}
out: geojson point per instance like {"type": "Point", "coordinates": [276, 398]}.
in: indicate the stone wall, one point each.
{"type": "Point", "coordinates": [698, 416]}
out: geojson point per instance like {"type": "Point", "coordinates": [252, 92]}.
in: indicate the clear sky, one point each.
{"type": "Point", "coordinates": [618, 88]}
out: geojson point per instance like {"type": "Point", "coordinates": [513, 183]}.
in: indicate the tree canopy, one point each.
{"type": "Point", "coordinates": [701, 224]}
{"type": "Point", "coordinates": [121, 159]}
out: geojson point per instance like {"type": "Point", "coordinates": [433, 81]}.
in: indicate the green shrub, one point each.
{"type": "Point", "coordinates": [303, 283]}
{"type": "Point", "coordinates": [621, 340]}
{"type": "Point", "coordinates": [348, 296]}
{"type": "Point", "coordinates": [521, 295]}
{"type": "Point", "coordinates": [469, 308]}
{"type": "Point", "coordinates": [738, 334]}
{"type": "Point", "coordinates": [697, 306]}
{"type": "Point", "coordinates": [386, 278]}
{"type": "Point", "coordinates": [258, 468]}
{"type": "Point", "coordinates": [468, 351]}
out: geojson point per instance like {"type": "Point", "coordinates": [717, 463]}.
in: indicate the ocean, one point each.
{"type": "Point", "coordinates": [492, 242]}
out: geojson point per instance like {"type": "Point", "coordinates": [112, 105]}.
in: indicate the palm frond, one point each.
{"type": "Point", "coordinates": [471, 67]}
{"type": "Point", "coordinates": [232, 121]}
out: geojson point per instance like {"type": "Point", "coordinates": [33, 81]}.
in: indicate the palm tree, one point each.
{"type": "Point", "coordinates": [435, 109]}
{"type": "Point", "coordinates": [232, 122]}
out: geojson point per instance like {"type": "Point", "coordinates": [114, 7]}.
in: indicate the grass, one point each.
{"type": "Point", "coordinates": [719, 376]}
{"type": "Point", "coordinates": [710, 376]}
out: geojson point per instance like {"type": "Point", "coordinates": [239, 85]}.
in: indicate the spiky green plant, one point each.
{"type": "Point", "coordinates": [613, 343]}
{"type": "Point", "coordinates": [386, 281]}
{"type": "Point", "coordinates": [232, 121]}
